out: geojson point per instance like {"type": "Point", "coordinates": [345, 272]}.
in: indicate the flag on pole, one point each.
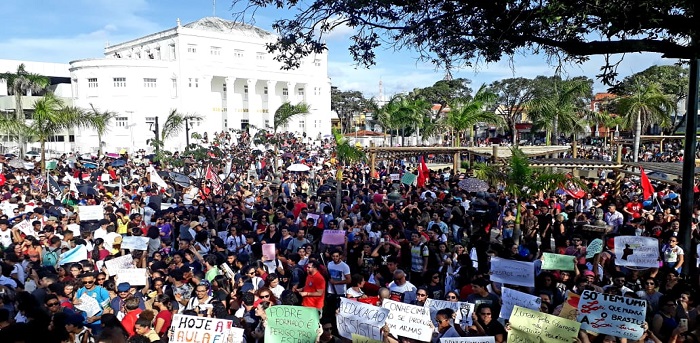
{"type": "Point", "coordinates": [423, 173]}
{"type": "Point", "coordinates": [53, 186]}
{"type": "Point", "coordinates": [155, 178]}
{"type": "Point", "coordinates": [211, 176]}
{"type": "Point", "coordinates": [646, 184]}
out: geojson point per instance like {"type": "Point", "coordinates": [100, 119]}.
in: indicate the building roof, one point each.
{"type": "Point", "coordinates": [217, 24]}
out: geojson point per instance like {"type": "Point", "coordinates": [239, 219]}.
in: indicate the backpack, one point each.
{"type": "Point", "coordinates": [50, 257]}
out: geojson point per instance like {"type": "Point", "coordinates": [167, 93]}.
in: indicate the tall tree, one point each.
{"type": "Point", "coordinates": [513, 95]}
{"type": "Point", "coordinates": [285, 113]}
{"type": "Point", "coordinates": [345, 154]}
{"type": "Point", "coordinates": [444, 92]}
{"type": "Point", "coordinates": [470, 111]}
{"type": "Point", "coordinates": [645, 105]}
{"type": "Point", "coordinates": [18, 84]}
{"type": "Point", "coordinates": [349, 104]}
{"type": "Point", "coordinates": [174, 124]}
{"type": "Point", "coordinates": [101, 122]}
{"type": "Point", "coordinates": [561, 108]}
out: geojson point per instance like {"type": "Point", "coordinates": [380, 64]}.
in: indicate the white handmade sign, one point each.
{"type": "Point", "coordinates": [121, 262]}
{"type": "Point", "coordinates": [26, 228]}
{"type": "Point", "coordinates": [637, 251]}
{"type": "Point", "coordinates": [187, 329]}
{"type": "Point", "coordinates": [134, 276]}
{"type": "Point", "coordinates": [89, 305]}
{"type": "Point", "coordinates": [359, 318]}
{"type": "Point", "coordinates": [511, 298]}
{"type": "Point", "coordinates": [483, 339]}
{"type": "Point", "coordinates": [92, 212]}
{"type": "Point", "coordinates": [462, 310]}
{"type": "Point", "coordinates": [610, 314]}
{"type": "Point", "coordinates": [135, 243]}
{"type": "Point", "coordinates": [512, 272]}
{"type": "Point", "coordinates": [408, 320]}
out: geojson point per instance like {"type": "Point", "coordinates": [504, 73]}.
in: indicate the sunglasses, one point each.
{"type": "Point", "coordinates": [266, 296]}
{"type": "Point", "coordinates": [101, 279]}
{"type": "Point", "coordinates": [421, 295]}
{"type": "Point", "coordinates": [52, 304]}
{"type": "Point", "coordinates": [485, 314]}
{"type": "Point", "coordinates": [88, 282]}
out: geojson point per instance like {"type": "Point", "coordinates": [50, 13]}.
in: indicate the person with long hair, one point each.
{"type": "Point", "coordinates": [99, 253]}
{"type": "Point", "coordinates": [265, 294]}
{"type": "Point", "coordinates": [221, 288]}
{"type": "Point", "coordinates": [273, 283]}
{"type": "Point", "coordinates": [163, 305]}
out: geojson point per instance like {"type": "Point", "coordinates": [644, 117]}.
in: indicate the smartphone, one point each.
{"type": "Point", "coordinates": [683, 324]}
{"type": "Point", "coordinates": [381, 240]}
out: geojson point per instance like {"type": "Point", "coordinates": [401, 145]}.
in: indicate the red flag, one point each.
{"type": "Point", "coordinates": [210, 176]}
{"type": "Point", "coordinates": [646, 185]}
{"type": "Point", "coordinates": [423, 173]}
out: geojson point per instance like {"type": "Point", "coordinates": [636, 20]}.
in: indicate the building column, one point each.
{"type": "Point", "coordinates": [273, 102]}
{"type": "Point", "coordinates": [292, 88]}
{"type": "Point", "coordinates": [233, 104]}
{"type": "Point", "coordinates": [254, 105]}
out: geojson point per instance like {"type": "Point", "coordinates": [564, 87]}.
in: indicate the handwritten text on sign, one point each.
{"type": "Point", "coordinates": [121, 262]}
{"type": "Point", "coordinates": [513, 272]}
{"type": "Point", "coordinates": [192, 329]}
{"type": "Point", "coordinates": [611, 314]}
{"type": "Point", "coordinates": [291, 324]}
{"type": "Point", "coordinates": [511, 298]}
{"type": "Point", "coordinates": [365, 320]}
{"type": "Point", "coordinates": [484, 339]}
{"type": "Point", "coordinates": [463, 310]}
{"type": "Point", "coordinates": [537, 327]}
{"type": "Point", "coordinates": [408, 320]}
{"type": "Point", "coordinates": [333, 237]}
{"type": "Point", "coordinates": [557, 262]}
{"type": "Point", "coordinates": [637, 251]}
{"type": "Point", "coordinates": [135, 243]}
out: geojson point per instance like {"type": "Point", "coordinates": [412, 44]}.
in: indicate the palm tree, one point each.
{"type": "Point", "coordinates": [345, 153]}
{"type": "Point", "coordinates": [285, 113]}
{"type": "Point", "coordinates": [18, 84]}
{"type": "Point", "coordinates": [560, 110]}
{"type": "Point", "coordinates": [174, 124]}
{"type": "Point", "coordinates": [101, 122]}
{"type": "Point", "coordinates": [643, 107]}
{"type": "Point", "coordinates": [468, 112]}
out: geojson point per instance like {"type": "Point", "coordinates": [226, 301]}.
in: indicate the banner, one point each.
{"type": "Point", "coordinates": [291, 324]}
{"type": "Point", "coordinates": [395, 177]}
{"type": "Point", "coordinates": [121, 262]}
{"type": "Point", "coordinates": [462, 310]}
{"type": "Point", "coordinates": [637, 251]}
{"type": "Point", "coordinates": [134, 276]}
{"type": "Point", "coordinates": [513, 272]}
{"type": "Point", "coordinates": [333, 237]}
{"type": "Point", "coordinates": [92, 212]}
{"type": "Point", "coordinates": [484, 339]}
{"type": "Point", "coordinates": [362, 319]}
{"type": "Point", "coordinates": [511, 298]}
{"type": "Point", "coordinates": [77, 254]}
{"type": "Point", "coordinates": [558, 262]}
{"type": "Point", "coordinates": [610, 314]}
{"type": "Point", "coordinates": [409, 178]}
{"type": "Point", "coordinates": [408, 320]}
{"type": "Point", "coordinates": [529, 326]}
{"type": "Point", "coordinates": [188, 329]}
{"type": "Point", "coordinates": [135, 243]}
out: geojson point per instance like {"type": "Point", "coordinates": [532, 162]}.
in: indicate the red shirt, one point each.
{"type": "Point", "coordinates": [634, 207]}
{"type": "Point", "coordinates": [129, 320]}
{"type": "Point", "coordinates": [314, 283]}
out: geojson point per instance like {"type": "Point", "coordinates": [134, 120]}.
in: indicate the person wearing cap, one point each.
{"type": "Point", "coordinates": [75, 327]}
{"type": "Point", "coordinates": [124, 291]}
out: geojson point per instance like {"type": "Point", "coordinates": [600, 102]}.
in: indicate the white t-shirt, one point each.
{"type": "Point", "coordinates": [100, 233]}
{"type": "Point", "coordinates": [405, 293]}
{"type": "Point", "coordinates": [6, 238]}
{"type": "Point", "coordinates": [338, 272]}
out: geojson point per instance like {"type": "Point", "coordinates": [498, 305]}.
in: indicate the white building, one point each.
{"type": "Point", "coordinates": [215, 68]}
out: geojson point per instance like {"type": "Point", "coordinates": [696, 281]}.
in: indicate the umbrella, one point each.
{"type": "Point", "coordinates": [118, 163]}
{"type": "Point", "coordinates": [89, 164]}
{"type": "Point", "coordinates": [112, 155]}
{"type": "Point", "coordinates": [298, 167]}
{"type": "Point", "coordinates": [86, 189]}
{"type": "Point", "coordinates": [180, 179]}
{"type": "Point", "coordinates": [473, 185]}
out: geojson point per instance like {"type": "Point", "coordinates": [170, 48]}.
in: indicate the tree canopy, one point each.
{"type": "Point", "coordinates": [458, 32]}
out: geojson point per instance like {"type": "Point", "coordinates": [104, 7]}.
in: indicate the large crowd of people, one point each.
{"type": "Point", "coordinates": [208, 246]}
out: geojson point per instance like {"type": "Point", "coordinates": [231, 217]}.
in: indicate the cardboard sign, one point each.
{"type": "Point", "coordinates": [333, 237]}
{"type": "Point", "coordinates": [135, 243]}
{"type": "Point", "coordinates": [134, 276]}
{"type": "Point", "coordinates": [512, 272]}
{"type": "Point", "coordinates": [356, 318]}
{"type": "Point", "coordinates": [89, 305]}
{"type": "Point", "coordinates": [408, 320]}
{"type": "Point", "coordinates": [362, 339]}
{"type": "Point", "coordinates": [92, 212]}
{"type": "Point", "coordinates": [558, 262]}
{"type": "Point", "coordinates": [610, 314]}
{"type": "Point", "coordinates": [395, 177]}
{"type": "Point", "coordinates": [637, 251]}
{"type": "Point", "coordinates": [512, 298]}
{"type": "Point", "coordinates": [537, 327]}
{"type": "Point", "coordinates": [484, 339]}
{"type": "Point", "coordinates": [569, 309]}
{"type": "Point", "coordinates": [291, 324]}
{"type": "Point", "coordinates": [268, 250]}
{"type": "Point", "coordinates": [463, 310]}
{"type": "Point", "coordinates": [121, 262]}
{"type": "Point", "coordinates": [188, 329]}
{"type": "Point", "coordinates": [409, 178]}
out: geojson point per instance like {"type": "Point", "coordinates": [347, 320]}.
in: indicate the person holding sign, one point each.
{"type": "Point", "coordinates": [486, 325]}
{"type": "Point", "coordinates": [445, 328]}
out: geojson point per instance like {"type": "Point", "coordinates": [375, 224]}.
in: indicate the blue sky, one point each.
{"type": "Point", "coordinates": [65, 30]}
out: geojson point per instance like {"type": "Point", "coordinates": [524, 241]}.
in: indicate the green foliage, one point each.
{"type": "Point", "coordinates": [100, 122]}
{"type": "Point", "coordinates": [470, 111]}
{"type": "Point", "coordinates": [175, 123]}
{"type": "Point", "coordinates": [348, 105]}
{"type": "Point", "coordinates": [345, 152]}
{"type": "Point", "coordinates": [562, 107]}
{"type": "Point", "coordinates": [513, 94]}
{"type": "Point", "coordinates": [444, 93]}
{"type": "Point", "coordinates": [286, 112]}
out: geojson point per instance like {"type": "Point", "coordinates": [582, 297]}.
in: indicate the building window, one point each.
{"type": "Point", "coordinates": [244, 124]}
{"type": "Point", "coordinates": [192, 48]}
{"type": "Point", "coordinates": [119, 82]}
{"type": "Point", "coordinates": [317, 62]}
{"type": "Point", "coordinates": [122, 121]}
{"type": "Point", "coordinates": [215, 51]}
{"type": "Point", "coordinates": [224, 91]}
{"type": "Point", "coordinates": [149, 83]}
{"type": "Point", "coordinates": [193, 82]}
{"type": "Point", "coordinates": [71, 138]}
{"type": "Point", "coordinates": [300, 91]}
{"type": "Point", "coordinates": [265, 90]}
{"type": "Point", "coordinates": [267, 123]}
{"type": "Point", "coordinates": [285, 91]}
{"type": "Point", "coordinates": [92, 82]}
{"type": "Point", "coordinates": [238, 53]}
{"type": "Point", "coordinates": [171, 47]}
{"type": "Point", "coordinates": [302, 125]}
{"type": "Point", "coordinates": [260, 56]}
{"type": "Point", "coordinates": [226, 123]}
{"type": "Point", "coordinates": [245, 92]}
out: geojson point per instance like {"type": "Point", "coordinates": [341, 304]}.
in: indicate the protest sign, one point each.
{"type": "Point", "coordinates": [89, 305]}
{"type": "Point", "coordinates": [463, 310]}
{"type": "Point", "coordinates": [333, 237]}
{"type": "Point", "coordinates": [512, 298]}
{"type": "Point", "coordinates": [409, 178]}
{"type": "Point", "coordinates": [362, 339]}
{"type": "Point", "coordinates": [558, 262]}
{"type": "Point", "coordinates": [569, 309]}
{"type": "Point", "coordinates": [512, 272]}
{"type": "Point", "coordinates": [121, 262]}
{"type": "Point", "coordinates": [408, 320]}
{"type": "Point", "coordinates": [236, 335]}
{"type": "Point", "coordinates": [313, 216]}
{"type": "Point", "coordinates": [188, 329]}
{"type": "Point", "coordinates": [75, 228]}
{"type": "Point", "coordinates": [483, 339]}
{"type": "Point", "coordinates": [362, 319]}
{"type": "Point", "coordinates": [26, 228]}
{"type": "Point", "coordinates": [530, 326]}
{"type": "Point", "coordinates": [594, 247]}
{"type": "Point", "coordinates": [134, 276]}
{"type": "Point", "coordinates": [395, 177]}
{"type": "Point", "coordinates": [637, 251]}
{"type": "Point", "coordinates": [268, 251]}
{"type": "Point", "coordinates": [92, 212]}
{"type": "Point", "coordinates": [291, 324]}
{"type": "Point", "coordinates": [135, 243]}
{"type": "Point", "coordinates": [611, 314]}
{"type": "Point", "coordinates": [74, 255]}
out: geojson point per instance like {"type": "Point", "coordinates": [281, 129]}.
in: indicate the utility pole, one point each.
{"type": "Point", "coordinates": [687, 193]}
